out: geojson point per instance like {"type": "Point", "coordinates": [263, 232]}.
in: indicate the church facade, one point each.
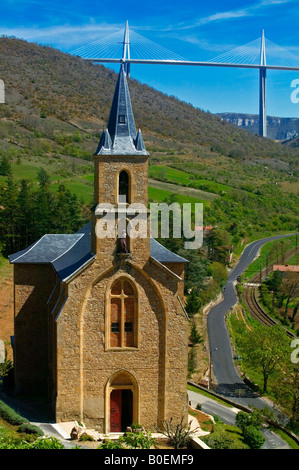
{"type": "Point", "coordinates": [100, 328]}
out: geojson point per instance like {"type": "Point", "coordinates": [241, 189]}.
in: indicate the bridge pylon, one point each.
{"type": "Point", "coordinates": [126, 50]}
{"type": "Point", "coordinates": [262, 90]}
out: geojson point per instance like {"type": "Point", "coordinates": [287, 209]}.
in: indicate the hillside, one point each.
{"type": "Point", "coordinates": [47, 92]}
{"type": "Point", "coordinates": [57, 106]}
{"type": "Point", "coordinates": [294, 142]}
{"type": "Point", "coordinates": [284, 129]}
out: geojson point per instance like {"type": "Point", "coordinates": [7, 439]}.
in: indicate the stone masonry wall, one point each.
{"type": "Point", "coordinates": [159, 364]}
{"type": "Point", "coordinates": [33, 286]}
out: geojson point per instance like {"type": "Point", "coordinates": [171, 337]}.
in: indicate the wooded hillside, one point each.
{"type": "Point", "coordinates": [47, 90]}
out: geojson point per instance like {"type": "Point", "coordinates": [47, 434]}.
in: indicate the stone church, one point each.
{"type": "Point", "coordinates": [100, 329]}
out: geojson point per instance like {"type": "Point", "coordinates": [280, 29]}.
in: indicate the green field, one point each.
{"type": "Point", "coordinates": [164, 173]}
{"type": "Point", "coordinates": [189, 179]}
{"type": "Point", "coordinates": [160, 195]}
{"type": "Point", "coordinates": [60, 171]}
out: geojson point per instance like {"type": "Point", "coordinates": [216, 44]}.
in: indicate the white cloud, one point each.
{"type": "Point", "coordinates": [232, 14]}
{"type": "Point", "coordinates": [64, 36]}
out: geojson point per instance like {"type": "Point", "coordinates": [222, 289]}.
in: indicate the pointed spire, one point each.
{"type": "Point", "coordinates": [120, 137]}
{"type": "Point", "coordinates": [139, 144]}
{"type": "Point", "coordinates": [105, 141]}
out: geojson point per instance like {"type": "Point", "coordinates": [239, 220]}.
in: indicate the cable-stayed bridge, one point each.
{"type": "Point", "coordinates": [128, 47]}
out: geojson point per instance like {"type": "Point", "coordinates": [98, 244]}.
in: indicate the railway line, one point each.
{"type": "Point", "coordinates": [250, 294]}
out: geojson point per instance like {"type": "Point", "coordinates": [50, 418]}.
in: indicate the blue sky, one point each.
{"type": "Point", "coordinates": [195, 30]}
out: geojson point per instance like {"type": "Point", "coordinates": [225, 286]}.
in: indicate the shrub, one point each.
{"type": "Point", "coordinates": [220, 439]}
{"type": "Point", "coordinates": [253, 437]}
{"type": "Point", "coordinates": [254, 419]}
{"type": "Point", "coordinates": [137, 440]}
{"type": "Point", "coordinates": [46, 443]}
{"type": "Point", "coordinates": [86, 437]}
{"type": "Point", "coordinates": [243, 420]}
{"type": "Point", "coordinates": [110, 444]}
{"type": "Point", "coordinates": [12, 443]}
{"type": "Point", "coordinates": [9, 415]}
{"type": "Point", "coordinates": [179, 434]}
{"type": "Point", "coordinates": [30, 429]}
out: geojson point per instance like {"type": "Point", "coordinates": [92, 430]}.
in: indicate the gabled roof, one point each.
{"type": "Point", "coordinates": [120, 137]}
{"type": "Point", "coordinates": [65, 252]}
{"type": "Point", "coordinates": [68, 253]}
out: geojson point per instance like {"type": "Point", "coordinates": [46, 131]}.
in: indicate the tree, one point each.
{"type": "Point", "coordinates": [219, 273]}
{"type": "Point", "coordinates": [279, 250]}
{"type": "Point", "coordinates": [251, 424]}
{"type": "Point", "coordinates": [5, 166]}
{"type": "Point", "coordinates": [196, 271]}
{"type": "Point", "coordinates": [43, 177]}
{"type": "Point", "coordinates": [295, 310]}
{"type": "Point", "coordinates": [218, 241]}
{"type": "Point", "coordinates": [287, 390]}
{"type": "Point", "coordinates": [253, 437]}
{"type": "Point", "coordinates": [265, 349]}
{"type": "Point", "coordinates": [195, 337]}
{"type": "Point", "coordinates": [8, 217]}
{"type": "Point", "coordinates": [255, 418]}
{"type": "Point", "coordinates": [274, 282]}
{"type": "Point", "coordinates": [290, 288]}
{"type": "Point", "coordinates": [25, 222]}
{"type": "Point", "coordinates": [193, 303]}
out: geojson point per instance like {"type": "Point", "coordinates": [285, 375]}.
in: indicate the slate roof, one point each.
{"type": "Point", "coordinates": [65, 252]}
{"type": "Point", "coordinates": [163, 255]}
{"type": "Point", "coordinates": [120, 137]}
{"type": "Point", "coordinates": [68, 253]}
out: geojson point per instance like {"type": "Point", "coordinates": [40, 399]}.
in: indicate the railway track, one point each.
{"type": "Point", "coordinates": [250, 297]}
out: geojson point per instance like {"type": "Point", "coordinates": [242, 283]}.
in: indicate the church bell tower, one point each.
{"type": "Point", "coordinates": [121, 222]}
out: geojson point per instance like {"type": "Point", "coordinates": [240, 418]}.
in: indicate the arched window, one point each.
{"type": "Point", "coordinates": [123, 315]}
{"type": "Point", "coordinates": [123, 187]}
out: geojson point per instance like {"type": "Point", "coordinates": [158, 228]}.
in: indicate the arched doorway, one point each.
{"type": "Point", "coordinates": [121, 408]}
{"type": "Point", "coordinates": [122, 402]}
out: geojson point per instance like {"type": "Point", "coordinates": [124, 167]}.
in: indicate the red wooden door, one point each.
{"type": "Point", "coordinates": [115, 411]}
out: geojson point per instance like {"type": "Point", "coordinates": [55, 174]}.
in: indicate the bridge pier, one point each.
{"type": "Point", "coordinates": [263, 114]}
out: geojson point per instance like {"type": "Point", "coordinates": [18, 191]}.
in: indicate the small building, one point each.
{"type": "Point", "coordinates": [286, 268]}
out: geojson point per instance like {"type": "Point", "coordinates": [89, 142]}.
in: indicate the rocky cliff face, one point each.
{"type": "Point", "coordinates": [278, 128]}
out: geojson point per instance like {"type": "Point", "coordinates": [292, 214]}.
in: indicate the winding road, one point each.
{"type": "Point", "coordinates": [227, 380]}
